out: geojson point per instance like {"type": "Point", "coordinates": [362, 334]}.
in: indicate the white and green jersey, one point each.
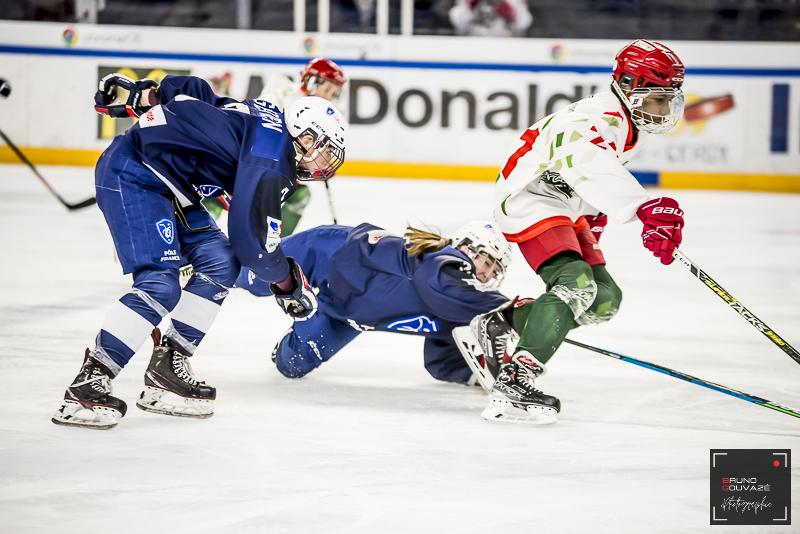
{"type": "Point", "coordinates": [281, 90]}
{"type": "Point", "coordinates": [569, 164]}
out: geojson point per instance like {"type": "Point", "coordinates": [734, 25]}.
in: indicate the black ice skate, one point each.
{"type": "Point", "coordinates": [170, 386]}
{"type": "Point", "coordinates": [487, 343]}
{"type": "Point", "coordinates": [88, 402]}
{"type": "Point", "coordinates": [515, 399]}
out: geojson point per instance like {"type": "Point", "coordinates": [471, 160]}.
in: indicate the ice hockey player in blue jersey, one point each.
{"type": "Point", "coordinates": [369, 279]}
{"type": "Point", "coordinates": [149, 184]}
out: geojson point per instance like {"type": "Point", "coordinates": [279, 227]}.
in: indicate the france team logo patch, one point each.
{"type": "Point", "coordinates": [416, 323]}
{"type": "Point", "coordinates": [273, 234]}
{"type": "Point", "coordinates": [166, 230]}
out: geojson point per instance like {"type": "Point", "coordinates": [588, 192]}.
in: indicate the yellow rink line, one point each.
{"type": "Point", "coordinates": [52, 156]}
{"type": "Point", "coordinates": [435, 171]}
{"type": "Point", "coordinates": [776, 183]}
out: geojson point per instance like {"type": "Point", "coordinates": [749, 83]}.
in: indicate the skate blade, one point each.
{"type": "Point", "coordinates": [507, 412]}
{"type": "Point", "coordinates": [165, 402]}
{"type": "Point", "coordinates": [75, 414]}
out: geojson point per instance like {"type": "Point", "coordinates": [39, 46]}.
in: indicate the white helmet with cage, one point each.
{"type": "Point", "coordinates": [318, 130]}
{"type": "Point", "coordinates": [485, 244]}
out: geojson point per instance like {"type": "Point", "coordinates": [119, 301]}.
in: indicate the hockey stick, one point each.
{"type": "Point", "coordinates": [689, 378]}
{"type": "Point", "coordinates": [330, 202]}
{"type": "Point", "coordinates": [734, 303]}
{"type": "Point", "coordinates": [83, 204]}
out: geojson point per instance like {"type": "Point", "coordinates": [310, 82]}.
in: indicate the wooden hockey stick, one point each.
{"type": "Point", "coordinates": [734, 303]}
{"type": "Point", "coordinates": [76, 206]}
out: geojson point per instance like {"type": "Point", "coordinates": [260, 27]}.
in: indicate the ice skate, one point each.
{"type": "Point", "coordinates": [486, 344]}
{"type": "Point", "coordinates": [514, 399]}
{"type": "Point", "coordinates": [88, 401]}
{"type": "Point", "coordinates": [496, 337]}
{"type": "Point", "coordinates": [170, 387]}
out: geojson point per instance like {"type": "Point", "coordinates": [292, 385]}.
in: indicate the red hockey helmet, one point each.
{"type": "Point", "coordinates": [646, 63]}
{"type": "Point", "coordinates": [321, 69]}
{"type": "Point", "coordinates": [647, 78]}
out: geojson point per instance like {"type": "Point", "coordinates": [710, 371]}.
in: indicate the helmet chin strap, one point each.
{"type": "Point", "coordinates": [620, 93]}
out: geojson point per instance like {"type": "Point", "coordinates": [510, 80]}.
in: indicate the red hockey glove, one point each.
{"type": "Point", "coordinates": [299, 303]}
{"type": "Point", "coordinates": [663, 221]}
{"type": "Point", "coordinates": [597, 224]}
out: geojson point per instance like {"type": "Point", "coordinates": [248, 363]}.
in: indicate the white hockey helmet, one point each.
{"type": "Point", "coordinates": [485, 243]}
{"type": "Point", "coordinates": [318, 130]}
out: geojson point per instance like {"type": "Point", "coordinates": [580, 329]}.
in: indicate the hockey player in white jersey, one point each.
{"type": "Point", "coordinates": [320, 77]}
{"type": "Point", "coordinates": [567, 170]}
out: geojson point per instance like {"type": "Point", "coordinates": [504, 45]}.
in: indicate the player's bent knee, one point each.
{"type": "Point", "coordinates": [574, 284]}
{"type": "Point", "coordinates": [606, 304]}
{"type": "Point", "coordinates": [161, 285]}
{"type": "Point", "coordinates": [292, 366]}
{"type": "Point", "coordinates": [222, 270]}
{"type": "Point", "coordinates": [292, 363]}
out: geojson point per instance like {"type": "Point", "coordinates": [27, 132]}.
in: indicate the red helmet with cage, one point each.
{"type": "Point", "coordinates": [321, 69]}
{"type": "Point", "coordinates": [646, 63]}
{"type": "Point", "coordinates": [647, 79]}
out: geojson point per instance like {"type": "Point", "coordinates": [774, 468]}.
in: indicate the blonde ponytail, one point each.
{"type": "Point", "coordinates": [419, 242]}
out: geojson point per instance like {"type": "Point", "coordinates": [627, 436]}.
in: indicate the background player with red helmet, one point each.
{"type": "Point", "coordinates": [567, 166]}
{"type": "Point", "coordinates": [320, 77]}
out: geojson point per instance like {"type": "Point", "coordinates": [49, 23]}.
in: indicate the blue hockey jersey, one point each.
{"type": "Point", "coordinates": [367, 281]}
{"type": "Point", "coordinates": [200, 144]}
{"type": "Point", "coordinates": [374, 283]}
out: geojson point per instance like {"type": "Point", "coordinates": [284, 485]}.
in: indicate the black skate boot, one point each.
{"type": "Point", "coordinates": [496, 337]}
{"type": "Point", "coordinates": [170, 386]}
{"type": "Point", "coordinates": [487, 343]}
{"type": "Point", "coordinates": [88, 402]}
{"type": "Point", "coordinates": [514, 397]}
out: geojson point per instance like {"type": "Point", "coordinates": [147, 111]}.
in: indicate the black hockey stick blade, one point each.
{"type": "Point", "coordinates": [24, 159]}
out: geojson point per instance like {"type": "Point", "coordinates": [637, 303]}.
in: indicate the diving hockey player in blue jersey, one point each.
{"type": "Point", "coordinates": [369, 279]}
{"type": "Point", "coordinates": [149, 185]}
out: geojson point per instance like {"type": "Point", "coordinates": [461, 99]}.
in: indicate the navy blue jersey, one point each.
{"type": "Point", "coordinates": [201, 144]}
{"type": "Point", "coordinates": [375, 284]}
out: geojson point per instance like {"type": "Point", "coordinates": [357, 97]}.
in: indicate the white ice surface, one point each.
{"type": "Point", "coordinates": [369, 442]}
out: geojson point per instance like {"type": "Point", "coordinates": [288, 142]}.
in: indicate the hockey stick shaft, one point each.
{"type": "Point", "coordinates": [734, 303]}
{"type": "Point", "coordinates": [330, 202]}
{"type": "Point", "coordinates": [24, 159]}
{"type": "Point", "coordinates": [689, 378]}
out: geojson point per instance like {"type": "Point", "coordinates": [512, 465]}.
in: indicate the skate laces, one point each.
{"type": "Point", "coordinates": [527, 372]}
{"type": "Point", "coordinates": [183, 369]}
{"type": "Point", "coordinates": [100, 382]}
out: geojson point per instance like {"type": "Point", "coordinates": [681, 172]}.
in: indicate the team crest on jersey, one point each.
{"type": "Point", "coordinates": [273, 234]}
{"type": "Point", "coordinates": [554, 180]}
{"type": "Point", "coordinates": [153, 117]}
{"type": "Point", "coordinates": [166, 230]}
{"type": "Point", "coordinates": [210, 190]}
{"type": "Point", "coordinates": [416, 323]}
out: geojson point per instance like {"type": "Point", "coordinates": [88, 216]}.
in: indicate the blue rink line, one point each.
{"type": "Point", "coordinates": [513, 67]}
{"type": "Point", "coordinates": [646, 177]}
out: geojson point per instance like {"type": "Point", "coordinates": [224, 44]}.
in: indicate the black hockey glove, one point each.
{"type": "Point", "coordinates": [301, 303]}
{"type": "Point", "coordinates": [109, 92]}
